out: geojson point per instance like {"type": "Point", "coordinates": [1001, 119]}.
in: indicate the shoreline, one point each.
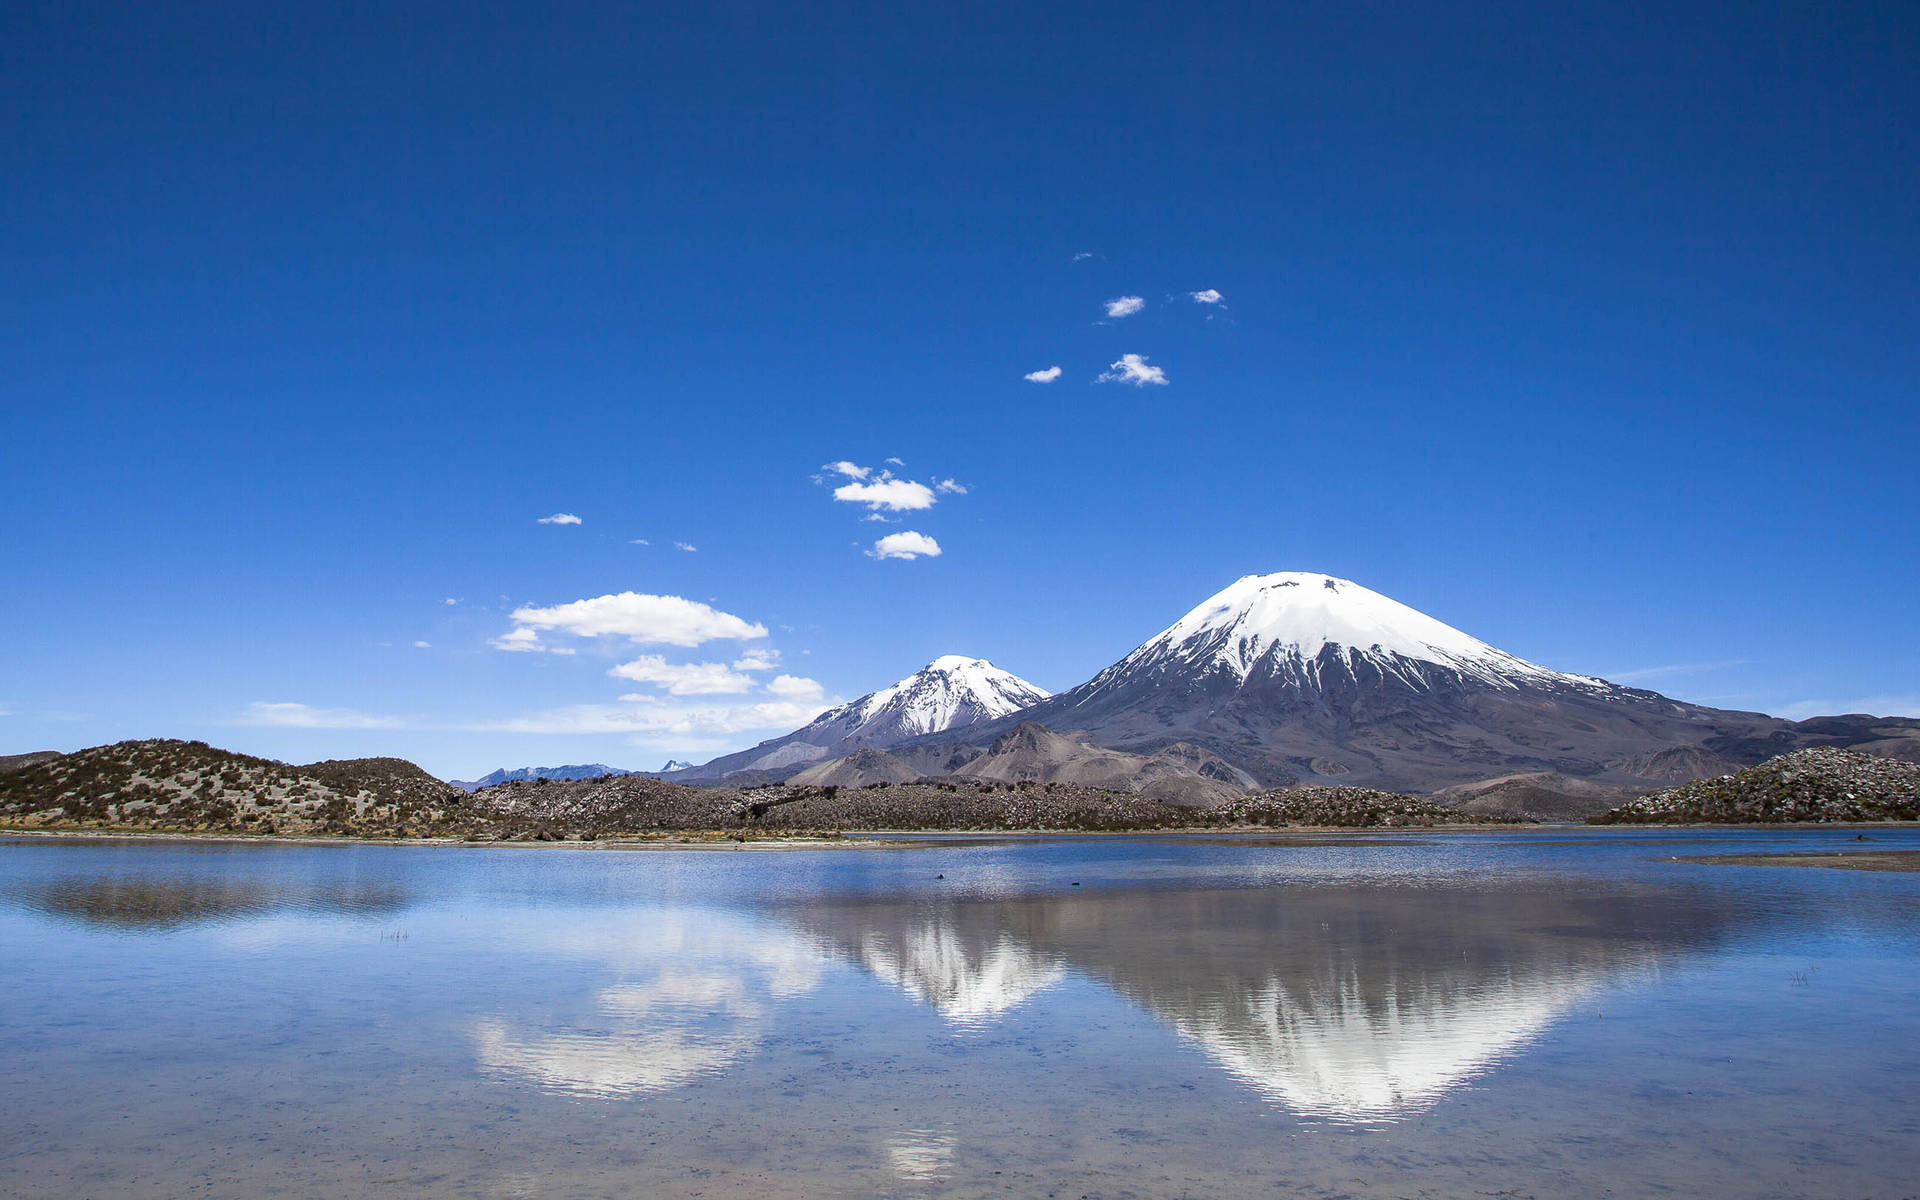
{"type": "Point", "coordinates": [905, 838]}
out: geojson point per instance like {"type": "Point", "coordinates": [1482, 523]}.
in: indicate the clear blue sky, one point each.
{"type": "Point", "coordinates": [1590, 329]}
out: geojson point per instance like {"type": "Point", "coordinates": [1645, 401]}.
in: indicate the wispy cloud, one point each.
{"type": "Point", "coordinates": [850, 470]}
{"type": "Point", "coordinates": [666, 718]}
{"type": "Point", "coordinates": [1207, 296]}
{"type": "Point", "coordinates": [1083, 256]}
{"type": "Point", "coordinates": [639, 542]}
{"type": "Point", "coordinates": [1879, 706]}
{"type": "Point", "coordinates": [949, 487]}
{"type": "Point", "coordinates": [451, 600]}
{"type": "Point", "coordinates": [685, 679]}
{"type": "Point", "coordinates": [905, 545]}
{"type": "Point", "coordinates": [1639, 674]}
{"type": "Point", "coordinates": [637, 616]}
{"type": "Point", "coordinates": [1125, 306]}
{"type": "Point", "coordinates": [1133, 369]}
{"type": "Point", "coordinates": [689, 547]}
{"type": "Point", "coordinates": [288, 715]}
{"type": "Point", "coordinates": [560, 519]}
{"type": "Point", "coordinates": [1046, 376]}
{"type": "Point", "coordinates": [423, 645]}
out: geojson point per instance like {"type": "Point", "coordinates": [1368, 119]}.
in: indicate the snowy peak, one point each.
{"type": "Point", "coordinates": [948, 693]}
{"type": "Point", "coordinates": [1286, 622]}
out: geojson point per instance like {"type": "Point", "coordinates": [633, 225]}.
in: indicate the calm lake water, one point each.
{"type": "Point", "coordinates": [1550, 1013]}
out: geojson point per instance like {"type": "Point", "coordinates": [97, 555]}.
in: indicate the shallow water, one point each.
{"type": "Point", "coordinates": [1541, 1013]}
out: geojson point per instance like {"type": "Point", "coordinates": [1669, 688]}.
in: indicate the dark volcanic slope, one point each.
{"type": "Point", "coordinates": [1299, 678]}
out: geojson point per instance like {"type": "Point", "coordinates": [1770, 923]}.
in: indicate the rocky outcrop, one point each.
{"type": "Point", "coordinates": [1344, 807]}
{"type": "Point", "coordinates": [1823, 783]}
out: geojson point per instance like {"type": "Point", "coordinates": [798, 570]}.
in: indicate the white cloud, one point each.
{"type": "Point", "coordinates": [639, 542]}
{"type": "Point", "coordinates": [949, 487]}
{"type": "Point", "coordinates": [684, 679]}
{"type": "Point", "coordinates": [678, 719]}
{"type": "Point", "coordinates": [896, 462]}
{"type": "Point", "coordinates": [525, 641]}
{"type": "Point", "coordinates": [760, 658]}
{"type": "Point", "coordinates": [423, 645]}
{"type": "Point", "coordinates": [1125, 306]}
{"type": "Point", "coordinates": [1133, 369]}
{"type": "Point", "coordinates": [689, 547]}
{"type": "Point", "coordinates": [906, 545]}
{"type": "Point", "coordinates": [451, 600]}
{"type": "Point", "coordinates": [1207, 296]}
{"type": "Point", "coordinates": [288, 715]}
{"type": "Point", "coordinates": [895, 495]}
{"type": "Point", "coordinates": [1083, 256]}
{"type": "Point", "coordinates": [560, 519]}
{"type": "Point", "coordinates": [1046, 376]}
{"type": "Point", "coordinates": [662, 620]}
{"type": "Point", "coordinates": [794, 687]}
{"type": "Point", "coordinates": [1878, 706]}
{"type": "Point", "coordinates": [880, 517]}
{"type": "Point", "coordinates": [850, 470]}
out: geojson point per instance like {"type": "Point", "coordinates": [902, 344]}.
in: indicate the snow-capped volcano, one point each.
{"type": "Point", "coordinates": [950, 693]}
{"type": "Point", "coordinates": [1296, 626]}
{"type": "Point", "coordinates": [1299, 677]}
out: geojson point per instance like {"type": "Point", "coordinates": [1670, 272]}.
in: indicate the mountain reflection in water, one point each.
{"type": "Point", "coordinates": [1344, 1002]}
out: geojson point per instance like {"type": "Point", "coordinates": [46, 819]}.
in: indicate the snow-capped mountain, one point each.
{"type": "Point", "coordinates": [1305, 678]}
{"type": "Point", "coordinates": [674, 764]}
{"type": "Point", "coordinates": [948, 694]}
{"type": "Point", "coordinates": [1296, 627]}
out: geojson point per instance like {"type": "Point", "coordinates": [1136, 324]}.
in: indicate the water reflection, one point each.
{"type": "Point", "coordinates": [964, 961]}
{"type": "Point", "coordinates": [164, 902]}
{"type": "Point", "coordinates": [698, 993]}
{"type": "Point", "coordinates": [1353, 1001]}
{"type": "Point", "coordinates": [1344, 1002]}
{"type": "Point", "coordinates": [1366, 1003]}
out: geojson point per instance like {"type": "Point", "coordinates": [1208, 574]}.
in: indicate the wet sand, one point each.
{"type": "Point", "coordinates": [1845, 860]}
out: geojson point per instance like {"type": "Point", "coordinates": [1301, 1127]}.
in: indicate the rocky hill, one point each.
{"type": "Point", "coordinates": [1822, 783]}
{"type": "Point", "coordinates": [192, 787]}
{"type": "Point", "coordinates": [1341, 807]}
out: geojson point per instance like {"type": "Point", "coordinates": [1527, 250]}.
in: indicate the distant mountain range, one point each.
{"type": "Point", "coordinates": [522, 774]}
{"type": "Point", "coordinates": [1298, 678]}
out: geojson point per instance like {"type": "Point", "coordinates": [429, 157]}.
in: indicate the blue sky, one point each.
{"type": "Point", "coordinates": [1591, 331]}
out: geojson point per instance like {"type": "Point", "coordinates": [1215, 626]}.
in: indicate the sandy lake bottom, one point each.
{"type": "Point", "coordinates": [1550, 1013]}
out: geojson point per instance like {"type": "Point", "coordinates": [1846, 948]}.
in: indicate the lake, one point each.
{"type": "Point", "coordinates": [1552, 1012]}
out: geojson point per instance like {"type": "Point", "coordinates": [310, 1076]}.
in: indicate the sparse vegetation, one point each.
{"type": "Point", "coordinates": [1823, 783]}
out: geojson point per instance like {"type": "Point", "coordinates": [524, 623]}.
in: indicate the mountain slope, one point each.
{"type": "Point", "coordinates": [949, 693]}
{"type": "Point", "coordinates": [1304, 678]}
